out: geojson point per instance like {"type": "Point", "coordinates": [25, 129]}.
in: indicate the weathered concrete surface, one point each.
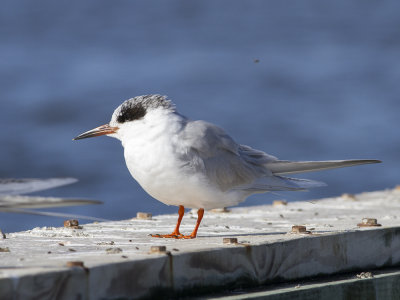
{"type": "Point", "coordinates": [118, 262]}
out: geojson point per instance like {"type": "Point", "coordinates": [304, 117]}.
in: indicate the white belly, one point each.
{"type": "Point", "coordinates": [162, 176]}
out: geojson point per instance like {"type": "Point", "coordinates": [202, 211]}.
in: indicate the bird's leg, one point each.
{"type": "Point", "coordinates": [175, 233]}
{"type": "Point", "coordinates": [200, 214]}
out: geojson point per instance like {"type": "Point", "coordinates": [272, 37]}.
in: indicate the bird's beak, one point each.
{"type": "Point", "coordinates": [101, 130]}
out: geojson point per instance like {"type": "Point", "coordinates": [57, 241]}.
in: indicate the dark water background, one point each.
{"type": "Point", "coordinates": [306, 80]}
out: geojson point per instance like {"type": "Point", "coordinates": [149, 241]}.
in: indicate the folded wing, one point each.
{"type": "Point", "coordinates": [232, 166]}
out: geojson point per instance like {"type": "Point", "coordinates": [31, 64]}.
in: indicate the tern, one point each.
{"type": "Point", "coordinates": [196, 164]}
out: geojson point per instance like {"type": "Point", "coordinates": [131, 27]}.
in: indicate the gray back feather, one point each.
{"type": "Point", "coordinates": [216, 154]}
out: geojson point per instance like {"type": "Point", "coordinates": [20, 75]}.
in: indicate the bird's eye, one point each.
{"type": "Point", "coordinates": [131, 113]}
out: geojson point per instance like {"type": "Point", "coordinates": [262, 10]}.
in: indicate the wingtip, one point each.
{"type": "Point", "coordinates": [374, 161]}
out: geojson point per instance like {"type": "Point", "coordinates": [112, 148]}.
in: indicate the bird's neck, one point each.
{"type": "Point", "coordinates": [158, 125]}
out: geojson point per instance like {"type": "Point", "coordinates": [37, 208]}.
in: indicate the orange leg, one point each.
{"type": "Point", "coordinates": [176, 234]}
{"type": "Point", "coordinates": [200, 214]}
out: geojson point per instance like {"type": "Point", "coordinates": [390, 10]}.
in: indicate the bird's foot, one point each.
{"type": "Point", "coordinates": [187, 237]}
{"type": "Point", "coordinates": [173, 235]}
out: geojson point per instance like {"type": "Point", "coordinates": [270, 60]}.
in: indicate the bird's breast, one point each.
{"type": "Point", "coordinates": [159, 168]}
{"type": "Point", "coordinates": [155, 165]}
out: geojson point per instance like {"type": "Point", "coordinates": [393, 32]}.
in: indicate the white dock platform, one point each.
{"type": "Point", "coordinates": [113, 260]}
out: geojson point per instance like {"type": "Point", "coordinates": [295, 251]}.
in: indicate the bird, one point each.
{"type": "Point", "coordinates": [196, 164]}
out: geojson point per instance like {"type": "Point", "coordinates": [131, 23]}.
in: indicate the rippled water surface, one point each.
{"type": "Point", "coordinates": [301, 81]}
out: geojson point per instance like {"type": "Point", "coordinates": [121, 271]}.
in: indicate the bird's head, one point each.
{"type": "Point", "coordinates": [130, 113]}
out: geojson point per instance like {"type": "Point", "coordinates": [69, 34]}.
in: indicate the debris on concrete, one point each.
{"type": "Point", "coordinates": [364, 275]}
{"type": "Point", "coordinates": [113, 250]}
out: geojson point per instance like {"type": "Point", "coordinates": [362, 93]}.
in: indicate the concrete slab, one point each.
{"type": "Point", "coordinates": [381, 285]}
{"type": "Point", "coordinates": [118, 262]}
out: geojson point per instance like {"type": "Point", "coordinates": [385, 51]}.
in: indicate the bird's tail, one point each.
{"type": "Point", "coordinates": [280, 167]}
{"type": "Point", "coordinates": [280, 183]}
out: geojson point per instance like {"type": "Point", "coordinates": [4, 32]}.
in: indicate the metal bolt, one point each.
{"type": "Point", "coordinates": [144, 216]}
{"type": "Point", "coordinates": [368, 222]}
{"type": "Point", "coordinates": [299, 229]}
{"type": "Point", "coordinates": [220, 210]}
{"type": "Point", "coordinates": [77, 263]}
{"type": "Point", "coordinates": [158, 249]}
{"type": "Point", "coordinates": [72, 224]}
{"type": "Point", "coordinates": [279, 202]}
{"type": "Point", "coordinates": [229, 240]}
{"type": "Point", "coordinates": [69, 223]}
{"type": "Point", "coordinates": [346, 196]}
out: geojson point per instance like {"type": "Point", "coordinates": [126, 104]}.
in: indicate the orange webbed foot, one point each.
{"type": "Point", "coordinates": [187, 237]}
{"type": "Point", "coordinates": [174, 235]}
{"type": "Point", "coordinates": [178, 236]}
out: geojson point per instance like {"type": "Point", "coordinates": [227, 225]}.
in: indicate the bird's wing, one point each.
{"type": "Point", "coordinates": [291, 167]}
{"type": "Point", "coordinates": [9, 186]}
{"type": "Point", "coordinates": [270, 181]}
{"type": "Point", "coordinates": [255, 157]}
{"type": "Point", "coordinates": [224, 162]}
{"type": "Point", "coordinates": [231, 166]}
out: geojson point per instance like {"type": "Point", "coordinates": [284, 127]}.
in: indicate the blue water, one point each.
{"type": "Point", "coordinates": [305, 80]}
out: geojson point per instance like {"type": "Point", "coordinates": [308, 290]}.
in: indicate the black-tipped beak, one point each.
{"type": "Point", "coordinates": [101, 130]}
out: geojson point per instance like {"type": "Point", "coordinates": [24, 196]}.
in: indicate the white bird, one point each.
{"type": "Point", "coordinates": [196, 164]}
